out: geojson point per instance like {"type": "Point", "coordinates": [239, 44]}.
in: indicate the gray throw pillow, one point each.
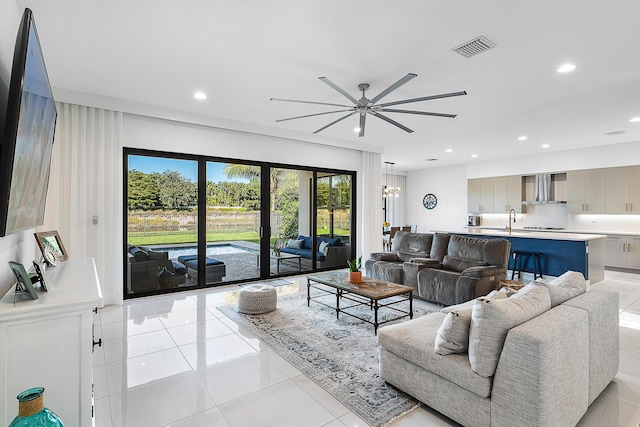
{"type": "Point", "coordinates": [567, 286]}
{"type": "Point", "coordinates": [453, 335]}
{"type": "Point", "coordinates": [491, 320]}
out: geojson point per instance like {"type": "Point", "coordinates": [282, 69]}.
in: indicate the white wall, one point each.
{"type": "Point", "coordinates": [19, 247]}
{"type": "Point", "coordinates": [449, 184]}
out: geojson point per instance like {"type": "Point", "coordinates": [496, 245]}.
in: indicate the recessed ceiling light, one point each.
{"type": "Point", "coordinates": [200, 95]}
{"type": "Point", "coordinates": [565, 68]}
{"type": "Point", "coordinates": [546, 145]}
{"type": "Point", "coordinates": [448, 150]}
{"type": "Point", "coordinates": [522, 138]}
{"type": "Point", "coordinates": [356, 129]}
{"type": "Point", "coordinates": [474, 155]}
{"type": "Point", "coordinates": [635, 120]}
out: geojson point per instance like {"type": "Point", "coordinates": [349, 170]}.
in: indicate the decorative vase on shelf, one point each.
{"type": "Point", "coordinates": [31, 410]}
{"type": "Point", "coordinates": [355, 277]}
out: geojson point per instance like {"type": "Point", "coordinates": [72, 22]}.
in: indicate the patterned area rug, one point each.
{"type": "Point", "coordinates": [340, 355]}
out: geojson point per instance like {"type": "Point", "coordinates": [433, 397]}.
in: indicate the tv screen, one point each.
{"type": "Point", "coordinates": [27, 144]}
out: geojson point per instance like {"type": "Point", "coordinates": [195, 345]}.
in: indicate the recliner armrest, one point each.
{"type": "Point", "coordinates": [490, 270]}
{"type": "Point", "coordinates": [385, 256]}
{"type": "Point", "coordinates": [426, 262]}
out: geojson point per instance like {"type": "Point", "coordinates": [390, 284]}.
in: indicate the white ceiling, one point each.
{"type": "Point", "coordinates": [242, 53]}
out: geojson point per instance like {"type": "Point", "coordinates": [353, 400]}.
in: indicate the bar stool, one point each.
{"type": "Point", "coordinates": [519, 260]}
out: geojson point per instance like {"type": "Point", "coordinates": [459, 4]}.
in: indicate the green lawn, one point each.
{"type": "Point", "coordinates": [174, 238]}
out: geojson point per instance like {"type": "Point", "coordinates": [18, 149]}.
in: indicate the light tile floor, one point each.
{"type": "Point", "coordinates": [177, 361]}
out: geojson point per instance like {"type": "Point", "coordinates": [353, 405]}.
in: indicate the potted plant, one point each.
{"type": "Point", "coordinates": [355, 275]}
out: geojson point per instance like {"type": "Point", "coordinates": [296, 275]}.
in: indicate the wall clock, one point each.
{"type": "Point", "coordinates": [430, 201]}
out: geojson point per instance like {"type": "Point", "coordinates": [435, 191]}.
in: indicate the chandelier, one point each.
{"type": "Point", "coordinates": [390, 190]}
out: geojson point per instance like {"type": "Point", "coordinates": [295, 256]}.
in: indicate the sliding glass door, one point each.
{"type": "Point", "coordinates": [193, 221]}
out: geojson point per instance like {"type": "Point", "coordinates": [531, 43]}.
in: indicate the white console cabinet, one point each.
{"type": "Point", "coordinates": [48, 343]}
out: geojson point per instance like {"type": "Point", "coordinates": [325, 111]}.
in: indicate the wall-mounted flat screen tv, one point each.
{"type": "Point", "coordinates": [27, 141]}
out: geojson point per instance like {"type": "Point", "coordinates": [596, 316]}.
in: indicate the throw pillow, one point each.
{"type": "Point", "coordinates": [567, 286]}
{"type": "Point", "coordinates": [294, 244]}
{"type": "Point", "coordinates": [491, 320]}
{"type": "Point", "coordinates": [324, 248]}
{"type": "Point", "coordinates": [453, 335]}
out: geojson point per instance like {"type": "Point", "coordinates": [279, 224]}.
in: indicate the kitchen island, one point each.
{"type": "Point", "coordinates": [560, 251]}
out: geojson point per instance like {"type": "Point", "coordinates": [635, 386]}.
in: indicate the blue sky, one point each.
{"type": "Point", "coordinates": [186, 168]}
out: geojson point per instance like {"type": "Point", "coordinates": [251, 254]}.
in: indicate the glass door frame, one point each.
{"type": "Point", "coordinates": [265, 218]}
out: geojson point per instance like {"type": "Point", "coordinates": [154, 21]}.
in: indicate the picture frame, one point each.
{"type": "Point", "coordinates": [24, 283]}
{"type": "Point", "coordinates": [39, 269]}
{"type": "Point", "coordinates": [51, 246]}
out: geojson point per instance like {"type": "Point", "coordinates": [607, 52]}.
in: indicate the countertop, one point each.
{"type": "Point", "coordinates": [564, 230]}
{"type": "Point", "coordinates": [548, 235]}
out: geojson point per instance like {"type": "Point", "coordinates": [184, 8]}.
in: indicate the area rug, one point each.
{"type": "Point", "coordinates": [340, 355]}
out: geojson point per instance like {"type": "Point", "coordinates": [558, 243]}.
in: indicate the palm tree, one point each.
{"type": "Point", "coordinates": [253, 172]}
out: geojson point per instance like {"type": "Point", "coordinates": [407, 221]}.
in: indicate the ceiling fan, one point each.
{"type": "Point", "coordinates": [365, 106]}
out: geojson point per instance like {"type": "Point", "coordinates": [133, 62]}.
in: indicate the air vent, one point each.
{"type": "Point", "coordinates": [617, 132]}
{"type": "Point", "coordinates": [474, 47]}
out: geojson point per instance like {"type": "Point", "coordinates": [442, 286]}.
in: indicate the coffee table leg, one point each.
{"type": "Point", "coordinates": [338, 296]}
{"type": "Point", "coordinates": [410, 305]}
{"type": "Point", "coordinates": [308, 292]}
{"type": "Point", "coordinates": [277, 265]}
{"type": "Point", "coordinates": [375, 317]}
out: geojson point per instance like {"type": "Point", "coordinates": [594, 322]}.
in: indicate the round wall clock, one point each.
{"type": "Point", "coordinates": [430, 201]}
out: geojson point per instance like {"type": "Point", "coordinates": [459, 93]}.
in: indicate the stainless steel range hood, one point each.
{"type": "Point", "coordinates": [545, 189]}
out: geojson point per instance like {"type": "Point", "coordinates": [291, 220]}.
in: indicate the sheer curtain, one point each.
{"type": "Point", "coordinates": [370, 208]}
{"type": "Point", "coordinates": [85, 191]}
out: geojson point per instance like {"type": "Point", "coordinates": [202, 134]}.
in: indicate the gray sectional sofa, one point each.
{"type": "Point", "coordinates": [443, 268]}
{"type": "Point", "coordinates": [538, 359]}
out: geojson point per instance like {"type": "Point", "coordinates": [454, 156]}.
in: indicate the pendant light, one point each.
{"type": "Point", "coordinates": [389, 190]}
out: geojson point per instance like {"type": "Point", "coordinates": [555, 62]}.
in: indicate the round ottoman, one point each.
{"type": "Point", "coordinates": [257, 299]}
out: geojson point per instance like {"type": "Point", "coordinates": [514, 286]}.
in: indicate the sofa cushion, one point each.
{"type": "Point", "coordinates": [158, 255]}
{"type": "Point", "coordinates": [388, 271]}
{"type": "Point", "coordinates": [491, 251]}
{"type": "Point", "coordinates": [439, 246]}
{"type": "Point", "coordinates": [307, 241]}
{"type": "Point", "coordinates": [414, 341]}
{"type": "Point", "coordinates": [491, 320]}
{"type": "Point", "coordinates": [324, 247]}
{"type": "Point", "coordinates": [406, 256]}
{"type": "Point", "coordinates": [294, 244]}
{"type": "Point", "coordinates": [139, 255]}
{"type": "Point", "coordinates": [460, 264]}
{"type": "Point", "coordinates": [412, 242]}
{"type": "Point", "coordinates": [563, 288]}
{"type": "Point", "coordinates": [453, 334]}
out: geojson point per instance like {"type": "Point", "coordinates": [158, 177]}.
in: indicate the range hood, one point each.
{"type": "Point", "coordinates": [545, 189]}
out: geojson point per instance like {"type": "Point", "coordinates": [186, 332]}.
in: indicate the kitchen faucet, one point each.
{"type": "Point", "coordinates": [514, 219]}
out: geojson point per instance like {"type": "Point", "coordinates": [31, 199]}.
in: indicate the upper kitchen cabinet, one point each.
{"type": "Point", "coordinates": [586, 191]}
{"type": "Point", "coordinates": [508, 194]}
{"type": "Point", "coordinates": [480, 193]}
{"type": "Point", "coordinates": [623, 190]}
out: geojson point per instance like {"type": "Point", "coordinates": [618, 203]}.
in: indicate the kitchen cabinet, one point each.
{"type": "Point", "coordinates": [586, 191]}
{"type": "Point", "coordinates": [622, 190]}
{"type": "Point", "coordinates": [508, 194]}
{"type": "Point", "coordinates": [622, 252]}
{"type": "Point", "coordinates": [48, 343]}
{"type": "Point", "coordinates": [480, 194]}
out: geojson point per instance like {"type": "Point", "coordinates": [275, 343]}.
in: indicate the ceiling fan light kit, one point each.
{"type": "Point", "coordinates": [365, 106]}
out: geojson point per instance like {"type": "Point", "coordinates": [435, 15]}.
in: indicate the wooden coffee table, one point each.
{"type": "Point", "coordinates": [375, 294]}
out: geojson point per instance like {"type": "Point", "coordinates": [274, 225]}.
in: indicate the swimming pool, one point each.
{"type": "Point", "coordinates": [212, 249]}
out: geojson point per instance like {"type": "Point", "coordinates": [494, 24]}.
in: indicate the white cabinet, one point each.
{"type": "Point", "coordinates": [623, 252]}
{"type": "Point", "coordinates": [481, 193]}
{"type": "Point", "coordinates": [48, 343]}
{"type": "Point", "coordinates": [623, 190]}
{"type": "Point", "coordinates": [508, 194]}
{"type": "Point", "coordinates": [586, 191]}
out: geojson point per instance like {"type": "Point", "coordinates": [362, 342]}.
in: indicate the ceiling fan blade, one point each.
{"type": "Point", "coordinates": [424, 98]}
{"type": "Point", "coordinates": [335, 121]}
{"type": "Point", "coordinates": [309, 102]}
{"type": "Point", "coordinates": [393, 122]}
{"type": "Point", "coordinates": [424, 113]}
{"type": "Point", "coordinates": [339, 89]}
{"type": "Point", "coordinates": [316, 114]}
{"type": "Point", "coordinates": [363, 117]}
{"type": "Point", "coordinates": [391, 88]}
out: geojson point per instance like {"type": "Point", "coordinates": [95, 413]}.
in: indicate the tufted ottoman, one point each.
{"type": "Point", "coordinates": [257, 299]}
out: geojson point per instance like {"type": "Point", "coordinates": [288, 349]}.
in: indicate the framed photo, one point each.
{"type": "Point", "coordinates": [51, 247]}
{"type": "Point", "coordinates": [24, 281]}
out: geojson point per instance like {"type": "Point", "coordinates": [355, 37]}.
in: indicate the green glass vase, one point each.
{"type": "Point", "coordinates": [31, 410]}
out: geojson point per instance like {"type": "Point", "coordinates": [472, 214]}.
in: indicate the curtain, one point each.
{"type": "Point", "coordinates": [85, 191]}
{"type": "Point", "coordinates": [396, 205]}
{"type": "Point", "coordinates": [370, 212]}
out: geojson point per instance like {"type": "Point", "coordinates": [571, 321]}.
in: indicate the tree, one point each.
{"type": "Point", "coordinates": [142, 190]}
{"type": "Point", "coordinates": [253, 173]}
{"type": "Point", "coordinates": [175, 191]}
